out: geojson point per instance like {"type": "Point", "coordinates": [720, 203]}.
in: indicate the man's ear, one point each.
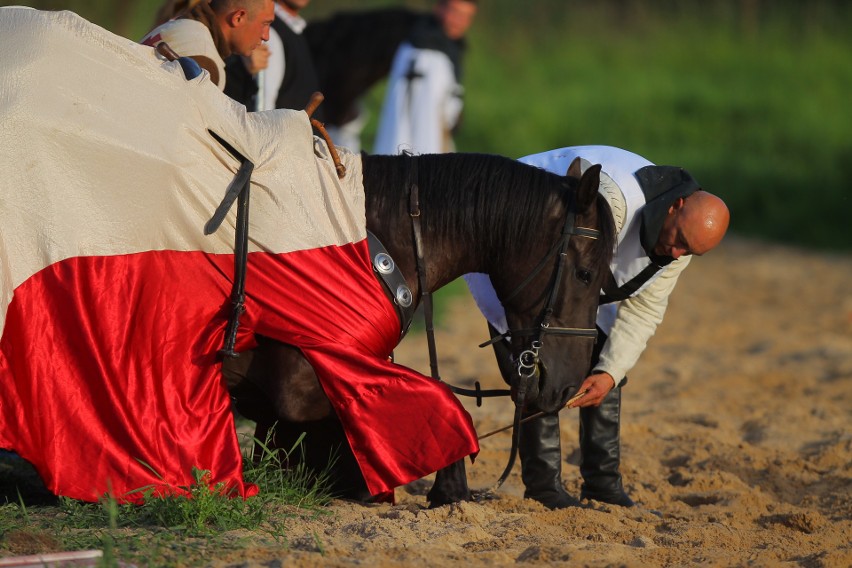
{"type": "Point", "coordinates": [236, 18]}
{"type": "Point", "coordinates": [677, 205]}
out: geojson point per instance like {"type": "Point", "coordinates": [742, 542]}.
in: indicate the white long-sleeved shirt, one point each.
{"type": "Point", "coordinates": [630, 323]}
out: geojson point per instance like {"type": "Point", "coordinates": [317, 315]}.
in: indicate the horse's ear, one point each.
{"type": "Point", "coordinates": [587, 191]}
{"type": "Point", "coordinates": [574, 169]}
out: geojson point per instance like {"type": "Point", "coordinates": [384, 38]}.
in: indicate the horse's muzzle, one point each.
{"type": "Point", "coordinates": [530, 385]}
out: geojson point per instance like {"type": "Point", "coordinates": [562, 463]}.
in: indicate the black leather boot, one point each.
{"type": "Point", "coordinates": [541, 463]}
{"type": "Point", "coordinates": [600, 450]}
{"type": "Point", "coordinates": [539, 447]}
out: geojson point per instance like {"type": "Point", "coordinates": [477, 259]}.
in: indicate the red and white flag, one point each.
{"type": "Point", "coordinates": [113, 302]}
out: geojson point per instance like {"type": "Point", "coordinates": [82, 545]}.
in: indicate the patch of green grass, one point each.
{"type": "Point", "coordinates": [294, 486]}
{"type": "Point", "coordinates": [174, 530]}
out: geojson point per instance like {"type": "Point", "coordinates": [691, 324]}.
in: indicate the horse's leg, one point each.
{"type": "Point", "coordinates": [324, 451]}
{"type": "Point", "coordinates": [250, 399]}
{"type": "Point", "coordinates": [450, 486]}
{"type": "Point", "coordinates": [276, 386]}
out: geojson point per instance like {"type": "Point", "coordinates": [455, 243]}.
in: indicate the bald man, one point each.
{"type": "Point", "coordinates": [663, 219]}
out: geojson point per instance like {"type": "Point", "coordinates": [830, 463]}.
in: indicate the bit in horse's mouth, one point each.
{"type": "Point", "coordinates": [532, 395]}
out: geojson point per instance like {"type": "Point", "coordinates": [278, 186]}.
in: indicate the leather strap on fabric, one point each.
{"type": "Point", "coordinates": [414, 212]}
{"type": "Point", "coordinates": [239, 189]}
{"type": "Point", "coordinates": [391, 281]}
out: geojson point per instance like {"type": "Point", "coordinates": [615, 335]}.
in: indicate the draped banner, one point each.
{"type": "Point", "coordinates": [113, 302]}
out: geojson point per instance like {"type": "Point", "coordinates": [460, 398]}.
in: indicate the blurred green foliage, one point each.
{"type": "Point", "coordinates": [751, 96]}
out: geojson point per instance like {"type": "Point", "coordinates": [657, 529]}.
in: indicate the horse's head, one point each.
{"type": "Point", "coordinates": [551, 291]}
{"type": "Point", "coordinates": [544, 239]}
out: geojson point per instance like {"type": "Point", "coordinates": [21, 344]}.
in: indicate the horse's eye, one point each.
{"type": "Point", "coordinates": [584, 276]}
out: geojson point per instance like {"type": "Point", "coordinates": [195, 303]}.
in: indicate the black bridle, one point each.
{"type": "Point", "coordinates": [528, 362]}
{"type": "Point", "coordinates": [529, 358]}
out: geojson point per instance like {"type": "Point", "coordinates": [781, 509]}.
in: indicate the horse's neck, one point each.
{"type": "Point", "coordinates": [471, 221]}
{"type": "Point", "coordinates": [445, 257]}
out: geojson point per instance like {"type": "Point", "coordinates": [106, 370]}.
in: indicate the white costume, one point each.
{"type": "Point", "coordinates": [422, 104]}
{"type": "Point", "coordinates": [188, 38]}
{"type": "Point", "coordinates": [630, 323]}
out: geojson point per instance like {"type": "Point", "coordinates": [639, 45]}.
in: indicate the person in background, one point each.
{"type": "Point", "coordinates": [211, 30]}
{"type": "Point", "coordinates": [423, 103]}
{"type": "Point", "coordinates": [352, 51]}
{"type": "Point", "coordinates": [290, 77]}
{"type": "Point", "coordinates": [663, 219]}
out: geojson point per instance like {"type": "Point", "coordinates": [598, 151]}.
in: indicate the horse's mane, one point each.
{"type": "Point", "coordinates": [494, 202]}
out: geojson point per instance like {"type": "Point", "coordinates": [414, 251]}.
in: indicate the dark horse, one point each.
{"type": "Point", "coordinates": [479, 213]}
{"type": "Point", "coordinates": [352, 51]}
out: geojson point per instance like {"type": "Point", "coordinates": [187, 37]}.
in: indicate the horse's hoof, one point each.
{"type": "Point", "coordinates": [440, 499]}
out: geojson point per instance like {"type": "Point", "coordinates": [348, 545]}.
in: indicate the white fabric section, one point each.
{"type": "Point", "coordinates": [486, 299]}
{"type": "Point", "coordinates": [294, 21]}
{"type": "Point", "coordinates": [102, 140]}
{"type": "Point", "coordinates": [631, 323]}
{"type": "Point", "coordinates": [613, 195]}
{"type": "Point", "coordinates": [188, 38]}
{"type": "Point", "coordinates": [274, 72]}
{"type": "Point", "coordinates": [417, 115]}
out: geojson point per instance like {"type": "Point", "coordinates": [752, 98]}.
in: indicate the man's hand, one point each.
{"type": "Point", "coordinates": [258, 60]}
{"type": "Point", "coordinates": [597, 386]}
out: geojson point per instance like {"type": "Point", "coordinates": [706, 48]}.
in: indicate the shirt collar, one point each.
{"type": "Point", "coordinates": [296, 23]}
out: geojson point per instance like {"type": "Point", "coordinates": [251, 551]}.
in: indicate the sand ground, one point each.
{"type": "Point", "coordinates": [736, 441]}
{"type": "Point", "coordinates": [736, 433]}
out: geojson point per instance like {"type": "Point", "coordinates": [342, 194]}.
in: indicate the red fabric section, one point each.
{"type": "Point", "coordinates": [401, 425]}
{"type": "Point", "coordinates": [109, 371]}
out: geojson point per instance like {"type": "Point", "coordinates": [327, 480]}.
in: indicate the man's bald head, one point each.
{"type": "Point", "coordinates": [244, 24]}
{"type": "Point", "coordinates": [694, 225]}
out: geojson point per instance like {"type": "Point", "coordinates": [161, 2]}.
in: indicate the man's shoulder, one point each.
{"type": "Point", "coordinates": [185, 26]}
